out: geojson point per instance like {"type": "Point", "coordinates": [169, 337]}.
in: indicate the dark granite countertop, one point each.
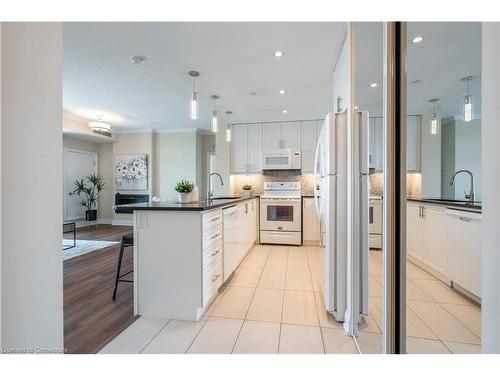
{"type": "Point", "coordinates": [201, 205]}
{"type": "Point", "coordinates": [455, 204]}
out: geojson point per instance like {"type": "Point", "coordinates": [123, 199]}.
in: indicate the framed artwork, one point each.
{"type": "Point", "coordinates": [131, 172]}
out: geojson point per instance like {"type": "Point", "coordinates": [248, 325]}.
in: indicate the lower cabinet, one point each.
{"type": "Point", "coordinates": [240, 233]}
{"type": "Point", "coordinates": [462, 243]}
{"type": "Point", "coordinates": [310, 222]}
{"type": "Point", "coordinates": [424, 234]}
{"type": "Point", "coordinates": [212, 239]}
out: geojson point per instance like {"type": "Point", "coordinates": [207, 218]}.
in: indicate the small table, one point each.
{"type": "Point", "coordinates": [68, 228]}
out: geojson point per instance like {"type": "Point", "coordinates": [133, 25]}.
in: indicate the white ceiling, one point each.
{"type": "Point", "coordinates": [233, 59]}
{"type": "Point", "coordinates": [448, 52]}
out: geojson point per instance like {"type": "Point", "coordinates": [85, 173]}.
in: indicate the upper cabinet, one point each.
{"type": "Point", "coordinates": [413, 148]}
{"type": "Point", "coordinates": [246, 148]}
{"type": "Point", "coordinates": [310, 133]}
{"type": "Point", "coordinates": [250, 141]}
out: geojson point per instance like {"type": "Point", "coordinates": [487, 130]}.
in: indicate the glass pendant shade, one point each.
{"type": "Point", "coordinates": [228, 134]}
{"type": "Point", "coordinates": [435, 122]}
{"type": "Point", "coordinates": [468, 114]}
{"type": "Point", "coordinates": [215, 121]}
{"type": "Point", "coordinates": [193, 106]}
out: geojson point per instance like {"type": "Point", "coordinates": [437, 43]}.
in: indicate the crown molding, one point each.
{"type": "Point", "coordinates": [71, 116]}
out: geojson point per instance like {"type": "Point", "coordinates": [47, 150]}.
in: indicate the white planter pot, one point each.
{"type": "Point", "coordinates": [184, 197]}
{"type": "Point", "coordinates": [248, 193]}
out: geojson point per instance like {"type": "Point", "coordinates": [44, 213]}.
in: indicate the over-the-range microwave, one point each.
{"type": "Point", "coordinates": [281, 159]}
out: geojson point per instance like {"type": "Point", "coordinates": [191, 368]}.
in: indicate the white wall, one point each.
{"type": "Point", "coordinates": [31, 115]}
{"type": "Point", "coordinates": [468, 156]}
{"type": "Point", "coordinates": [176, 156]}
{"type": "Point", "coordinates": [105, 169]}
{"type": "Point", "coordinates": [222, 161]}
{"type": "Point", "coordinates": [490, 140]}
{"type": "Point", "coordinates": [342, 85]}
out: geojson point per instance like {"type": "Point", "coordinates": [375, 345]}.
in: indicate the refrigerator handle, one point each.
{"type": "Point", "coordinates": [315, 179]}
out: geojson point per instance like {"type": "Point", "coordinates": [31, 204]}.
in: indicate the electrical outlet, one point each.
{"type": "Point", "coordinates": [142, 222]}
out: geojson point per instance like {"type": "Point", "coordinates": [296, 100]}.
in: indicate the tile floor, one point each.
{"type": "Point", "coordinates": [274, 305]}
{"type": "Point", "coordinates": [439, 320]}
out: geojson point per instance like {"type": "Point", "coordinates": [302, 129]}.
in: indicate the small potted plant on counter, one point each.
{"type": "Point", "coordinates": [184, 188]}
{"type": "Point", "coordinates": [247, 189]}
{"type": "Point", "coordinates": [91, 189]}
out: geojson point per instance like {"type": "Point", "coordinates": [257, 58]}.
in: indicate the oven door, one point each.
{"type": "Point", "coordinates": [280, 214]}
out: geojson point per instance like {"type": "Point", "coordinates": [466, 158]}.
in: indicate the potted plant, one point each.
{"type": "Point", "coordinates": [184, 188]}
{"type": "Point", "coordinates": [91, 189]}
{"type": "Point", "coordinates": [247, 188]}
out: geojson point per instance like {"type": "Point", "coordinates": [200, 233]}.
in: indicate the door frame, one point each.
{"type": "Point", "coordinates": [66, 188]}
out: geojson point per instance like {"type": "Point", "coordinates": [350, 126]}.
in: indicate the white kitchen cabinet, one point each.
{"type": "Point", "coordinates": [271, 136]}
{"type": "Point", "coordinates": [231, 240]}
{"type": "Point", "coordinates": [413, 148]}
{"type": "Point", "coordinates": [376, 143]}
{"type": "Point", "coordinates": [290, 135]}
{"type": "Point", "coordinates": [414, 231]}
{"type": "Point", "coordinates": [310, 222]}
{"type": "Point", "coordinates": [433, 220]}
{"type": "Point", "coordinates": [246, 148]}
{"type": "Point", "coordinates": [462, 249]}
{"type": "Point", "coordinates": [309, 133]}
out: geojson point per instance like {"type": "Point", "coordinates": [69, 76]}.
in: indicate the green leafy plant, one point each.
{"type": "Point", "coordinates": [184, 186]}
{"type": "Point", "coordinates": [247, 187]}
{"type": "Point", "coordinates": [90, 188]}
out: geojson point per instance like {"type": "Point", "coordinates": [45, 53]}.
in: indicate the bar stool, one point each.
{"type": "Point", "coordinates": [126, 241]}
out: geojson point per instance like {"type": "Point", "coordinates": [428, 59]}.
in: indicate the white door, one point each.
{"type": "Point", "coordinates": [79, 164]}
{"type": "Point", "coordinates": [290, 135]}
{"type": "Point", "coordinates": [271, 136]}
{"type": "Point", "coordinates": [254, 147]}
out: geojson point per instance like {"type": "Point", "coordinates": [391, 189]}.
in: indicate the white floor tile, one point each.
{"type": "Point", "coordinates": [470, 316]}
{"type": "Point", "coordinates": [325, 319]}
{"type": "Point", "coordinates": [299, 308]}
{"type": "Point", "coordinates": [247, 277]}
{"type": "Point", "coordinates": [266, 306]}
{"type": "Point", "coordinates": [300, 340]}
{"type": "Point", "coordinates": [439, 292]}
{"type": "Point", "coordinates": [461, 348]}
{"type": "Point", "coordinates": [258, 338]}
{"type": "Point", "coordinates": [423, 346]}
{"type": "Point", "coordinates": [234, 303]}
{"type": "Point", "coordinates": [298, 280]}
{"type": "Point", "coordinates": [415, 327]}
{"type": "Point", "coordinates": [175, 337]}
{"type": "Point", "coordinates": [276, 261]}
{"type": "Point", "coordinates": [217, 336]}
{"type": "Point", "coordinates": [135, 337]}
{"type": "Point", "coordinates": [272, 279]}
{"type": "Point", "coordinates": [370, 343]}
{"type": "Point", "coordinates": [336, 342]}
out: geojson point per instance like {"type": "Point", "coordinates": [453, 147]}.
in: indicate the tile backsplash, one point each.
{"type": "Point", "coordinates": [257, 181]}
{"type": "Point", "coordinates": [413, 184]}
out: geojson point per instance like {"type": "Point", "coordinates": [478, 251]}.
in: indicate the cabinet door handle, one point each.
{"type": "Point", "coordinates": [423, 211]}
{"type": "Point", "coordinates": [466, 219]}
{"type": "Point", "coordinates": [215, 277]}
{"type": "Point", "coordinates": [215, 253]}
{"type": "Point", "coordinates": [215, 235]}
{"type": "Point", "coordinates": [215, 218]}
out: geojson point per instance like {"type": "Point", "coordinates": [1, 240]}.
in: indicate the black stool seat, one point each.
{"type": "Point", "coordinates": [127, 240]}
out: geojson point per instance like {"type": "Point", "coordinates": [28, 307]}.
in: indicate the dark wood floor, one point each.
{"type": "Point", "coordinates": [91, 317]}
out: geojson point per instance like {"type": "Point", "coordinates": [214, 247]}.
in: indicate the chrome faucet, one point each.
{"type": "Point", "coordinates": [471, 194]}
{"type": "Point", "coordinates": [210, 193]}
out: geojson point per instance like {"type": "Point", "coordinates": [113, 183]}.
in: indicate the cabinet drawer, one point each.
{"type": "Point", "coordinates": [211, 254]}
{"type": "Point", "coordinates": [211, 235]}
{"type": "Point", "coordinates": [211, 219]}
{"type": "Point", "coordinates": [212, 280]}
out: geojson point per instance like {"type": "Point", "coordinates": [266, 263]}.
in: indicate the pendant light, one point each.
{"type": "Point", "coordinates": [468, 110]}
{"type": "Point", "coordinates": [215, 115]}
{"type": "Point", "coordinates": [193, 102]}
{"type": "Point", "coordinates": [99, 125]}
{"type": "Point", "coordinates": [228, 129]}
{"type": "Point", "coordinates": [435, 120]}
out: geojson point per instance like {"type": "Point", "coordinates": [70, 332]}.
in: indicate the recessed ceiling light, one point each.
{"type": "Point", "coordinates": [374, 84]}
{"type": "Point", "coordinates": [285, 111]}
{"type": "Point", "coordinates": [278, 54]}
{"type": "Point", "coordinates": [417, 39]}
{"type": "Point", "coordinates": [137, 59]}
{"type": "Point", "coordinates": [253, 93]}
{"type": "Point", "coordinates": [282, 91]}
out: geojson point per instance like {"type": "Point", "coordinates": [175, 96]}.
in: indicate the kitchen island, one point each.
{"type": "Point", "coordinates": [184, 252]}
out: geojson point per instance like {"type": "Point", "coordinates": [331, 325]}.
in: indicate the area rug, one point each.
{"type": "Point", "coordinates": [84, 247]}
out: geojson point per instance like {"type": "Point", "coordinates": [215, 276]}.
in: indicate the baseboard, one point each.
{"type": "Point", "coordinates": [129, 223]}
